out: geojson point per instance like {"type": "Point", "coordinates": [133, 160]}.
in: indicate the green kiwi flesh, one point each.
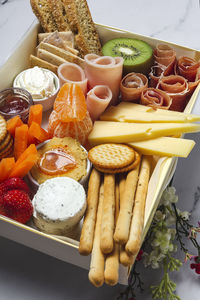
{"type": "Point", "coordinates": [137, 54]}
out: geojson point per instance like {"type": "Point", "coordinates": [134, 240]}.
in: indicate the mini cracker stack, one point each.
{"type": "Point", "coordinates": [72, 17]}
{"type": "Point", "coordinates": [114, 219]}
{"type": "Point", "coordinates": [6, 140]}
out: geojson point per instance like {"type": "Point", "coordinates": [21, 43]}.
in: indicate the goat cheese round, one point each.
{"type": "Point", "coordinates": [59, 205]}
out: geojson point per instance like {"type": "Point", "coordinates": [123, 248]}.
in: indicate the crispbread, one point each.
{"type": "Point", "coordinates": [3, 129]}
{"type": "Point", "coordinates": [111, 156]}
{"type": "Point", "coordinates": [50, 57]}
{"type": "Point", "coordinates": [66, 36]}
{"type": "Point", "coordinates": [62, 53]}
{"type": "Point", "coordinates": [127, 168]}
{"type": "Point", "coordinates": [36, 61]}
{"type": "Point", "coordinates": [56, 9]}
{"type": "Point", "coordinates": [43, 13]}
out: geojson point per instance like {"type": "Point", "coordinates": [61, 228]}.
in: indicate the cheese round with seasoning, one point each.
{"type": "Point", "coordinates": [59, 205]}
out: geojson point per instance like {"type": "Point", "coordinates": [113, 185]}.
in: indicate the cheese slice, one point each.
{"type": "Point", "coordinates": [131, 112]}
{"type": "Point", "coordinates": [165, 146]}
{"type": "Point", "coordinates": [119, 132]}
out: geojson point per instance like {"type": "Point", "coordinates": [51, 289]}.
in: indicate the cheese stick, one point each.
{"type": "Point", "coordinates": [108, 217]}
{"type": "Point", "coordinates": [137, 223]}
{"type": "Point", "coordinates": [111, 273]}
{"type": "Point", "coordinates": [124, 220]}
{"type": "Point", "coordinates": [96, 272]}
{"type": "Point", "coordinates": [87, 233]}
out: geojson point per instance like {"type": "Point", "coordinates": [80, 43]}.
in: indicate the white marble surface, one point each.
{"type": "Point", "coordinates": [28, 274]}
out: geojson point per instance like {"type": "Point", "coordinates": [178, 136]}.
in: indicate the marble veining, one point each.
{"type": "Point", "coordinates": [173, 20]}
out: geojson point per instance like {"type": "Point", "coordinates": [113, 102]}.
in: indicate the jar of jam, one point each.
{"type": "Point", "coordinates": [15, 101]}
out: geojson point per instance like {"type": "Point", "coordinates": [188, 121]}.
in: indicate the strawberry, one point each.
{"type": "Point", "coordinates": [14, 183]}
{"type": "Point", "coordinates": [16, 205]}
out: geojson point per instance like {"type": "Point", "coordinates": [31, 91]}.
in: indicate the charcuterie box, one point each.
{"type": "Point", "coordinates": [65, 248]}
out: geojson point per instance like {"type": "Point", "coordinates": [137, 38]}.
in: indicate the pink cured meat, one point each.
{"type": "Point", "coordinates": [155, 98]}
{"type": "Point", "coordinates": [132, 85]}
{"type": "Point", "coordinates": [72, 73]}
{"type": "Point", "coordinates": [97, 100]}
{"type": "Point", "coordinates": [164, 55]}
{"type": "Point", "coordinates": [104, 70]}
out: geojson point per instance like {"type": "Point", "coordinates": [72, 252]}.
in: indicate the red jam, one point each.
{"type": "Point", "coordinates": [56, 161]}
{"type": "Point", "coordinates": [14, 105]}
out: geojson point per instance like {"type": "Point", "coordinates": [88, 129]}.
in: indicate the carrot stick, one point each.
{"type": "Point", "coordinates": [13, 123]}
{"type": "Point", "coordinates": [35, 114]}
{"type": "Point", "coordinates": [21, 140]}
{"type": "Point", "coordinates": [6, 166]}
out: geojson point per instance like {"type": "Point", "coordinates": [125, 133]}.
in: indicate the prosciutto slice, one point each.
{"type": "Point", "coordinates": [97, 100]}
{"type": "Point", "coordinates": [132, 85]}
{"type": "Point", "coordinates": [155, 98]}
{"type": "Point", "coordinates": [72, 73]}
{"type": "Point", "coordinates": [104, 70]}
{"type": "Point", "coordinates": [164, 54]}
{"type": "Point", "coordinates": [189, 68]}
{"type": "Point", "coordinates": [155, 74]}
{"type": "Point", "coordinates": [177, 88]}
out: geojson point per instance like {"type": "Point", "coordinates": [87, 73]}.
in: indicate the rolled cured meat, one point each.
{"type": "Point", "coordinates": [177, 88]}
{"type": "Point", "coordinates": [104, 70]}
{"type": "Point", "coordinates": [72, 73]}
{"type": "Point", "coordinates": [155, 98]}
{"type": "Point", "coordinates": [164, 54]}
{"type": "Point", "coordinates": [132, 85]}
{"type": "Point", "coordinates": [155, 74]}
{"type": "Point", "coordinates": [97, 100]}
{"type": "Point", "coordinates": [189, 68]}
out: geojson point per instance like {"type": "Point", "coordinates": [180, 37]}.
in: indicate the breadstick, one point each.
{"type": "Point", "coordinates": [125, 258]}
{"type": "Point", "coordinates": [108, 217]}
{"type": "Point", "coordinates": [87, 233]}
{"type": "Point", "coordinates": [96, 273]}
{"type": "Point", "coordinates": [112, 260]}
{"type": "Point", "coordinates": [135, 237]}
{"type": "Point", "coordinates": [124, 220]}
{"type": "Point", "coordinates": [122, 180]}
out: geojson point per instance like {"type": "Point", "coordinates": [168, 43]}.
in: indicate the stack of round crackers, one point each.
{"type": "Point", "coordinates": [113, 158]}
{"type": "Point", "coordinates": [6, 140]}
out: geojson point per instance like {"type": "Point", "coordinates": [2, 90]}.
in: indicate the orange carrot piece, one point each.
{"type": "Point", "coordinates": [13, 123]}
{"type": "Point", "coordinates": [35, 114]}
{"type": "Point", "coordinates": [31, 150]}
{"type": "Point", "coordinates": [21, 140]}
{"type": "Point", "coordinates": [6, 167]}
{"type": "Point", "coordinates": [38, 132]}
{"type": "Point", "coordinates": [24, 167]}
{"type": "Point", "coordinates": [31, 138]}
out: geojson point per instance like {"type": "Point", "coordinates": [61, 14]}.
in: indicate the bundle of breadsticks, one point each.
{"type": "Point", "coordinates": [114, 219]}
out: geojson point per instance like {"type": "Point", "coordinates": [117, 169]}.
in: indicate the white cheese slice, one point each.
{"type": "Point", "coordinates": [118, 132]}
{"type": "Point", "coordinates": [165, 146]}
{"type": "Point", "coordinates": [131, 112]}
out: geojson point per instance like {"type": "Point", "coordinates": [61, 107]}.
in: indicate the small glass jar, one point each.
{"type": "Point", "coordinates": [15, 101]}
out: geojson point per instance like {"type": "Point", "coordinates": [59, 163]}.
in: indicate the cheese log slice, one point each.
{"type": "Point", "coordinates": [165, 146]}
{"type": "Point", "coordinates": [119, 132]}
{"type": "Point", "coordinates": [130, 112]}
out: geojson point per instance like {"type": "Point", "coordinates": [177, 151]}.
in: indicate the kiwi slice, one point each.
{"type": "Point", "coordinates": [137, 54]}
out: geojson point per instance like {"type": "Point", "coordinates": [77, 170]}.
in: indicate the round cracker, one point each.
{"type": "Point", "coordinates": [3, 128]}
{"type": "Point", "coordinates": [130, 167]}
{"type": "Point", "coordinates": [111, 156]}
{"type": "Point", "coordinates": [5, 141]}
{"type": "Point", "coordinates": [7, 150]}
